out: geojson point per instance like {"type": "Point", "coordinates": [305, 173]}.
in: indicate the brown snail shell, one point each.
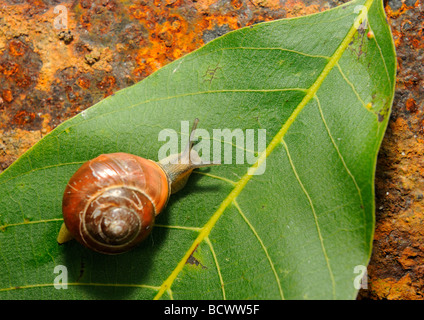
{"type": "Point", "coordinates": [110, 203]}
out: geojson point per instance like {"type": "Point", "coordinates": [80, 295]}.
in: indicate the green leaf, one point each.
{"type": "Point", "coordinates": [303, 229]}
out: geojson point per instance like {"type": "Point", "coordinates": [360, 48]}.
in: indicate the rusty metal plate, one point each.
{"type": "Point", "coordinates": [56, 63]}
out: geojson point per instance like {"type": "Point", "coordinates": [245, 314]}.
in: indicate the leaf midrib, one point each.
{"type": "Point", "coordinates": [310, 93]}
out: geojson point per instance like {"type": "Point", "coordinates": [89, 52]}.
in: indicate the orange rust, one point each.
{"type": "Point", "coordinates": [23, 80]}
{"type": "Point", "coordinates": [107, 84]}
{"type": "Point", "coordinates": [9, 68]}
{"type": "Point", "coordinates": [297, 8]}
{"type": "Point", "coordinates": [7, 95]}
{"type": "Point", "coordinates": [84, 82]}
{"type": "Point", "coordinates": [396, 13]}
{"type": "Point", "coordinates": [14, 143]}
{"type": "Point", "coordinates": [203, 6]}
{"type": "Point", "coordinates": [173, 3]}
{"type": "Point", "coordinates": [23, 117]}
{"type": "Point", "coordinates": [272, 4]}
{"type": "Point", "coordinates": [237, 4]}
{"type": "Point", "coordinates": [45, 126]}
{"type": "Point", "coordinates": [16, 48]}
{"type": "Point", "coordinates": [71, 94]}
{"type": "Point", "coordinates": [393, 289]}
{"type": "Point", "coordinates": [168, 39]}
{"type": "Point", "coordinates": [411, 105]}
{"type": "Point", "coordinates": [416, 43]}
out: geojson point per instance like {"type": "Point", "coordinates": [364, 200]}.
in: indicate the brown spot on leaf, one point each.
{"type": "Point", "coordinates": [194, 262]}
{"type": "Point", "coordinates": [211, 73]}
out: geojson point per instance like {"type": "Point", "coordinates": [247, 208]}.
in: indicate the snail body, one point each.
{"type": "Point", "coordinates": [110, 203]}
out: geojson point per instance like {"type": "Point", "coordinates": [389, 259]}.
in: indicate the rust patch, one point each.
{"type": "Point", "coordinates": [17, 48]}
{"type": "Point", "coordinates": [15, 142]}
{"type": "Point", "coordinates": [23, 117]}
{"type": "Point", "coordinates": [411, 105]}
{"type": "Point", "coordinates": [7, 95]}
{"type": "Point", "coordinates": [107, 84]}
{"type": "Point", "coordinates": [66, 36]}
{"type": "Point", "coordinates": [392, 289]}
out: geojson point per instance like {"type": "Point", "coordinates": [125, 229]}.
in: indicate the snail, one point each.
{"type": "Point", "coordinates": [110, 203]}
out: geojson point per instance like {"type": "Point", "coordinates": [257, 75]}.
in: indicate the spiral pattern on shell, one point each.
{"type": "Point", "coordinates": [110, 203]}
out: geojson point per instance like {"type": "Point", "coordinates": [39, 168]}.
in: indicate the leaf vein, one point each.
{"type": "Point", "coordinates": [314, 215]}
{"type": "Point", "coordinates": [215, 258]}
{"type": "Point", "coordinates": [352, 86]}
{"type": "Point", "coordinates": [382, 57]}
{"type": "Point", "coordinates": [271, 263]}
{"type": "Point", "coordinates": [342, 160]}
